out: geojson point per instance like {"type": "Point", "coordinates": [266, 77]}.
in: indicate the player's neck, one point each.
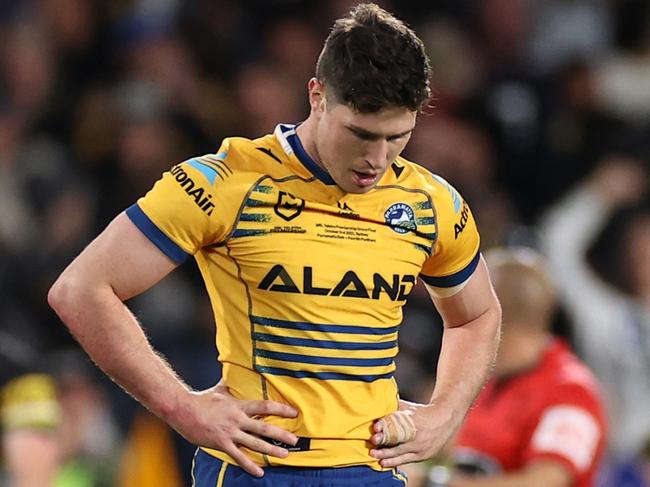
{"type": "Point", "coordinates": [305, 132]}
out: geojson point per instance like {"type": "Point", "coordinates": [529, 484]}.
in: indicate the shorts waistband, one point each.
{"type": "Point", "coordinates": [353, 473]}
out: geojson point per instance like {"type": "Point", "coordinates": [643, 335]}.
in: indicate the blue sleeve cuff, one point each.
{"type": "Point", "coordinates": [157, 237]}
{"type": "Point", "coordinates": [456, 278]}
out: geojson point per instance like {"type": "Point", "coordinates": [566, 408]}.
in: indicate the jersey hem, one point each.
{"type": "Point", "coordinates": [456, 278]}
{"type": "Point", "coordinates": [155, 235]}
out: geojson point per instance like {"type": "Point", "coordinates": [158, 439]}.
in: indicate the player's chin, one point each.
{"type": "Point", "coordinates": [352, 186]}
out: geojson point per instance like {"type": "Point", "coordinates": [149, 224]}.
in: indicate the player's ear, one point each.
{"type": "Point", "coordinates": [316, 95]}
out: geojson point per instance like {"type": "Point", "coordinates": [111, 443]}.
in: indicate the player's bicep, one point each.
{"type": "Point", "coordinates": [475, 298]}
{"type": "Point", "coordinates": [123, 258]}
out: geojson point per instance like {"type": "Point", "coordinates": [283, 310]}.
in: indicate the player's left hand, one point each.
{"type": "Point", "coordinates": [433, 425]}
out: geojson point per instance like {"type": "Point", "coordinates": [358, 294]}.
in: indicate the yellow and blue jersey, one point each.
{"type": "Point", "coordinates": [307, 282]}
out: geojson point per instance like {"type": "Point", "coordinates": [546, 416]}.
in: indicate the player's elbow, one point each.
{"type": "Point", "coordinates": [64, 295]}
{"type": "Point", "coordinates": [58, 294]}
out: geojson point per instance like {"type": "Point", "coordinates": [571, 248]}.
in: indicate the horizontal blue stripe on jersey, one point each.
{"type": "Point", "coordinates": [304, 374]}
{"type": "Point", "coordinates": [426, 220]}
{"type": "Point", "coordinates": [456, 278]}
{"type": "Point", "coordinates": [153, 233]}
{"type": "Point", "coordinates": [263, 188]}
{"type": "Point", "coordinates": [249, 233]}
{"type": "Point", "coordinates": [254, 217]}
{"type": "Point", "coordinates": [308, 342]}
{"type": "Point", "coordinates": [254, 202]}
{"type": "Point", "coordinates": [300, 325]}
{"type": "Point", "coordinates": [309, 359]}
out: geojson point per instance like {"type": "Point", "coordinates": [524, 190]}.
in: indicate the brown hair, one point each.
{"type": "Point", "coordinates": [372, 60]}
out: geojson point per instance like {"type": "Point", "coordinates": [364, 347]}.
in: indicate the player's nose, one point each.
{"type": "Point", "coordinates": [377, 154]}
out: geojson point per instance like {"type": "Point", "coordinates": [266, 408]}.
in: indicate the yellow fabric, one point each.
{"type": "Point", "coordinates": [149, 458]}
{"type": "Point", "coordinates": [222, 474]}
{"type": "Point", "coordinates": [307, 283]}
{"type": "Point", "coordinates": [29, 401]}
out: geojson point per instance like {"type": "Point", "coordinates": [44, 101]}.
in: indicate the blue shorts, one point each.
{"type": "Point", "coordinates": [208, 471]}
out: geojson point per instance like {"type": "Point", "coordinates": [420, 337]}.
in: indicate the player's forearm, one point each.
{"type": "Point", "coordinates": [466, 359]}
{"type": "Point", "coordinates": [112, 337]}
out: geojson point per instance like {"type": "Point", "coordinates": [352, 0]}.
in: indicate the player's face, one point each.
{"type": "Point", "coordinates": [355, 148]}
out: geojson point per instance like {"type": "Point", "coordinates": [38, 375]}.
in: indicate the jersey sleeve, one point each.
{"type": "Point", "coordinates": [191, 206]}
{"type": "Point", "coordinates": [569, 431]}
{"type": "Point", "coordinates": [456, 251]}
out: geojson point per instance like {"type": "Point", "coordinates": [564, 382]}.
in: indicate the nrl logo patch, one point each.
{"type": "Point", "coordinates": [400, 217]}
{"type": "Point", "coordinates": [288, 206]}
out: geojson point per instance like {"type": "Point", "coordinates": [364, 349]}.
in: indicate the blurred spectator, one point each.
{"type": "Point", "coordinates": [623, 78]}
{"type": "Point", "coordinates": [57, 429]}
{"type": "Point", "coordinates": [30, 416]}
{"type": "Point", "coordinates": [577, 130]}
{"type": "Point", "coordinates": [504, 25]}
{"type": "Point", "coordinates": [612, 325]}
{"type": "Point", "coordinates": [623, 86]}
{"type": "Point", "coordinates": [28, 69]}
{"type": "Point", "coordinates": [540, 420]}
{"type": "Point", "coordinates": [89, 440]}
{"type": "Point", "coordinates": [292, 45]}
{"type": "Point", "coordinates": [149, 457]}
{"type": "Point", "coordinates": [265, 95]}
{"type": "Point", "coordinates": [449, 46]}
{"type": "Point", "coordinates": [565, 30]}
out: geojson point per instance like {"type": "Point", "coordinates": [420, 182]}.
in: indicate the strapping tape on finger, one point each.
{"type": "Point", "coordinates": [397, 428]}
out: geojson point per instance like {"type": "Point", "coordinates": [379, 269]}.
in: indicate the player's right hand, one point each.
{"type": "Point", "coordinates": [213, 418]}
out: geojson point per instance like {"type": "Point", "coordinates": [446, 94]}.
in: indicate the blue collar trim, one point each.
{"type": "Point", "coordinates": [304, 158]}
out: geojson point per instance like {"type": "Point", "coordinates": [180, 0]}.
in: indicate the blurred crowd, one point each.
{"type": "Point", "coordinates": [540, 117]}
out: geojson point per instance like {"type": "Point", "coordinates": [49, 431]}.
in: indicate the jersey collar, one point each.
{"type": "Point", "coordinates": [286, 134]}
